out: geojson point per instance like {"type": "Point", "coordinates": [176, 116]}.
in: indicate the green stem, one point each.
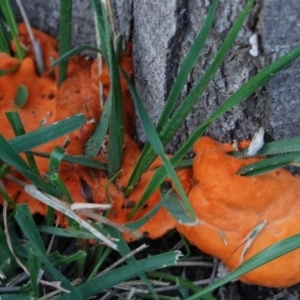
{"type": "Point", "coordinates": [65, 35]}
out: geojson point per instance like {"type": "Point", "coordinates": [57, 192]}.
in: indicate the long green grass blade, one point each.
{"type": "Point", "coordinates": [26, 222]}
{"type": "Point", "coordinates": [285, 246]}
{"type": "Point", "coordinates": [116, 122]}
{"type": "Point", "coordinates": [18, 129]}
{"type": "Point", "coordinates": [182, 76]}
{"type": "Point", "coordinates": [188, 65]}
{"type": "Point", "coordinates": [12, 158]}
{"type": "Point", "coordinates": [69, 233]}
{"type": "Point", "coordinates": [176, 208]}
{"type": "Point", "coordinates": [116, 125]}
{"type": "Point", "coordinates": [188, 103]}
{"type": "Point", "coordinates": [11, 70]}
{"type": "Point", "coordinates": [55, 158]}
{"type": "Point", "coordinates": [4, 42]}
{"type": "Point", "coordinates": [69, 54]}
{"type": "Point", "coordinates": [65, 36]}
{"type": "Point", "coordinates": [34, 269]}
{"type": "Point", "coordinates": [98, 259]}
{"type": "Point", "coordinates": [22, 296]}
{"type": "Point", "coordinates": [43, 135]}
{"type": "Point", "coordinates": [94, 144]}
{"type": "Point", "coordinates": [59, 260]}
{"type": "Point", "coordinates": [121, 274]}
{"type": "Point", "coordinates": [12, 25]}
{"type": "Point", "coordinates": [78, 159]}
{"type": "Point", "coordinates": [159, 149]}
{"type": "Point", "coordinates": [269, 164]}
{"type": "Point", "coordinates": [98, 10]}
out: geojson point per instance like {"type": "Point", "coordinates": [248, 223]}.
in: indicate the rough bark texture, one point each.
{"type": "Point", "coordinates": [163, 31]}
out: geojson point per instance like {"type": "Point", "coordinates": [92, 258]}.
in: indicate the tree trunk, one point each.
{"type": "Point", "coordinates": [162, 33]}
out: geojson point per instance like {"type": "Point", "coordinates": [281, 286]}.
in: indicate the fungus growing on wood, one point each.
{"type": "Point", "coordinates": [240, 216]}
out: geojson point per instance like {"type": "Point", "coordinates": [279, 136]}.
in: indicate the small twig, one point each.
{"type": "Point", "coordinates": [52, 237]}
{"type": "Point", "coordinates": [201, 282]}
{"type": "Point", "coordinates": [193, 264]}
{"type": "Point", "coordinates": [142, 283]}
{"type": "Point", "coordinates": [9, 244]}
{"type": "Point", "coordinates": [64, 207]}
{"type": "Point", "coordinates": [125, 257]}
{"type": "Point", "coordinates": [21, 277]}
{"type": "Point", "coordinates": [37, 49]}
{"type": "Point", "coordinates": [214, 271]}
{"type": "Point", "coordinates": [83, 206]}
{"type": "Point", "coordinates": [106, 296]}
{"type": "Point", "coordinates": [10, 289]}
{"type": "Point", "coordinates": [54, 293]}
{"type": "Point", "coordinates": [106, 221]}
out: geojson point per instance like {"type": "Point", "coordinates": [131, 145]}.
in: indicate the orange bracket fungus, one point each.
{"type": "Point", "coordinates": [240, 216]}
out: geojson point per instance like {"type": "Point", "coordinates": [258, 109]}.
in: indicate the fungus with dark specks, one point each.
{"type": "Point", "coordinates": [240, 216]}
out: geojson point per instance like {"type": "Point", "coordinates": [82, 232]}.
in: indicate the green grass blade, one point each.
{"type": "Point", "coordinates": [59, 260]}
{"type": "Point", "coordinates": [188, 103]}
{"type": "Point", "coordinates": [34, 266]}
{"type": "Point", "coordinates": [12, 25]}
{"type": "Point", "coordinates": [78, 159]}
{"type": "Point", "coordinates": [43, 135]}
{"type": "Point", "coordinates": [161, 174]}
{"type": "Point", "coordinates": [99, 258]}
{"type": "Point", "coordinates": [176, 208]}
{"type": "Point", "coordinates": [110, 279]}
{"type": "Point", "coordinates": [22, 296]}
{"type": "Point", "coordinates": [69, 54]}
{"type": "Point", "coordinates": [269, 164]}
{"type": "Point", "coordinates": [18, 129]}
{"type": "Point", "coordinates": [55, 158]}
{"type": "Point", "coordinates": [124, 250]}
{"type": "Point", "coordinates": [285, 246]}
{"type": "Point", "coordinates": [65, 36]}
{"type": "Point", "coordinates": [54, 178]}
{"type": "Point", "coordinates": [11, 70]}
{"type": "Point", "coordinates": [187, 65]}
{"type": "Point", "coordinates": [26, 222]}
{"type": "Point", "coordinates": [158, 148]}
{"type": "Point", "coordinates": [277, 147]}
{"type": "Point", "coordinates": [69, 233]}
{"type": "Point", "coordinates": [12, 158]}
{"type": "Point", "coordinates": [94, 144]}
{"type": "Point", "coordinates": [255, 83]}
{"type": "Point", "coordinates": [4, 42]}
{"type": "Point", "coordinates": [116, 124]}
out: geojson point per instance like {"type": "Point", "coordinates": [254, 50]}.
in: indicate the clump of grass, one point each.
{"type": "Point", "coordinates": [33, 257]}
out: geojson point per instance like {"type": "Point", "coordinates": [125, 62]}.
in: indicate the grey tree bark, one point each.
{"type": "Point", "coordinates": [163, 31]}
